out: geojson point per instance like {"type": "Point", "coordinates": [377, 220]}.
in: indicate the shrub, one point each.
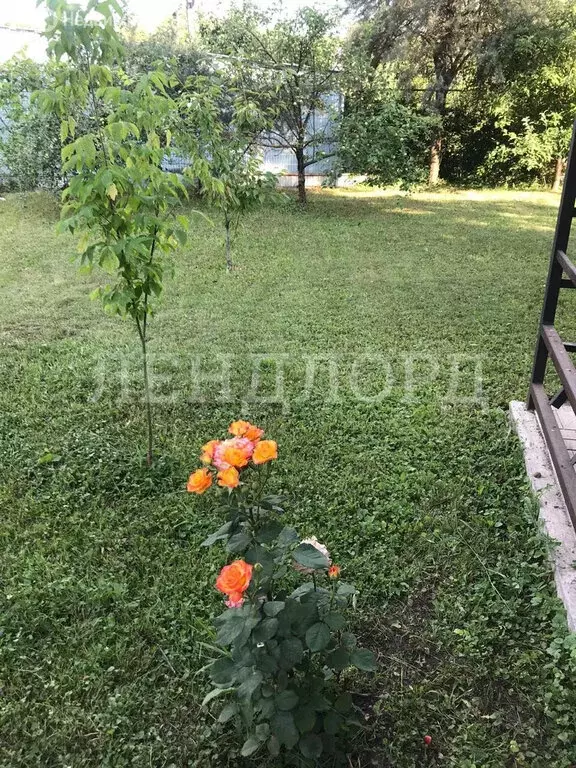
{"type": "Point", "coordinates": [388, 143]}
{"type": "Point", "coordinates": [29, 138]}
{"type": "Point", "coordinates": [287, 642]}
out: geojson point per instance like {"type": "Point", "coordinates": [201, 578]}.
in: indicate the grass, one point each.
{"type": "Point", "coordinates": [420, 496]}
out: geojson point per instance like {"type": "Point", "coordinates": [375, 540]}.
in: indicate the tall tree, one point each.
{"type": "Point", "coordinates": [438, 40]}
{"type": "Point", "coordinates": [536, 103]}
{"type": "Point", "coordinates": [293, 64]}
{"type": "Point", "coordinates": [511, 117]}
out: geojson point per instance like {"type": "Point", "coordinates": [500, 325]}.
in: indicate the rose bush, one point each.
{"type": "Point", "coordinates": [287, 643]}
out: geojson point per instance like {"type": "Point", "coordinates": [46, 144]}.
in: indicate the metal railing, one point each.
{"type": "Point", "coordinates": [550, 347]}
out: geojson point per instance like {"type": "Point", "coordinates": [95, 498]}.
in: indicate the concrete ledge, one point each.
{"type": "Point", "coordinates": [553, 512]}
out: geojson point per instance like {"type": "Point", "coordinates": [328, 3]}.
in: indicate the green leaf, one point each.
{"type": "Point", "coordinates": [348, 640]}
{"type": "Point", "coordinates": [249, 686]}
{"type": "Point", "coordinates": [318, 636]}
{"type": "Point", "coordinates": [266, 662]}
{"type": "Point", "coordinates": [214, 693]}
{"type": "Point", "coordinates": [284, 729]}
{"type": "Point", "coordinates": [364, 659]}
{"type": "Point", "coordinates": [310, 557]}
{"type": "Point", "coordinates": [267, 708]}
{"type": "Point", "coordinates": [181, 236]}
{"type": "Point", "coordinates": [269, 532]}
{"type": "Point", "coordinates": [319, 703]}
{"type": "Point", "coordinates": [250, 746]}
{"type": "Point", "coordinates": [235, 625]}
{"type": "Point", "coordinates": [334, 620]}
{"type": "Point", "coordinates": [108, 259]}
{"type": "Point", "coordinates": [221, 533]}
{"type": "Point", "coordinates": [48, 458]}
{"type": "Point", "coordinates": [303, 589]}
{"type": "Point", "coordinates": [338, 659]}
{"type": "Point", "coordinates": [305, 718]}
{"type": "Point", "coordinates": [286, 700]}
{"type": "Point", "coordinates": [287, 537]}
{"type": "Point", "coordinates": [259, 554]}
{"type": "Point", "coordinates": [311, 746]}
{"type": "Point", "coordinates": [265, 630]}
{"type": "Point", "coordinates": [273, 607]}
{"type": "Point", "coordinates": [332, 722]}
{"type": "Point", "coordinates": [345, 590]}
{"type": "Point", "coordinates": [274, 504]}
{"type": "Point", "coordinates": [228, 712]}
{"type": "Point", "coordinates": [222, 671]}
{"type": "Point", "coordinates": [273, 746]}
{"type": "Point", "coordinates": [343, 703]}
{"type": "Point", "coordinates": [238, 542]}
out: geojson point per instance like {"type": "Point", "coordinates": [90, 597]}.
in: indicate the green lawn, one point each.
{"type": "Point", "coordinates": [422, 498]}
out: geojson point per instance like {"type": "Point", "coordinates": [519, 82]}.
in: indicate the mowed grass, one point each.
{"type": "Point", "coordinates": [419, 493]}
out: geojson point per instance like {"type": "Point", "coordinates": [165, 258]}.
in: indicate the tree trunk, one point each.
{"type": "Point", "coordinates": [300, 162]}
{"type": "Point", "coordinates": [558, 174]}
{"type": "Point", "coordinates": [142, 329]}
{"type": "Point", "coordinates": [444, 80]}
{"type": "Point", "coordinates": [228, 246]}
{"type": "Point", "coordinates": [435, 158]}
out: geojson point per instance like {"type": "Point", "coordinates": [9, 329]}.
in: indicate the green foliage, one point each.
{"type": "Point", "coordinates": [118, 197]}
{"type": "Point", "coordinates": [218, 130]}
{"type": "Point", "coordinates": [292, 65]}
{"type": "Point", "coordinates": [29, 138]}
{"type": "Point", "coordinates": [496, 72]}
{"type": "Point", "coordinates": [386, 142]}
{"type": "Point", "coordinates": [530, 154]}
{"type": "Point", "coordinates": [511, 119]}
{"type": "Point", "coordinates": [168, 48]}
{"type": "Point", "coordinates": [287, 644]}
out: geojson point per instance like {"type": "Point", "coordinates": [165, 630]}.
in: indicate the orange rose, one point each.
{"type": "Point", "coordinates": [228, 478]}
{"type": "Point", "coordinates": [199, 481]}
{"type": "Point", "coordinates": [208, 452]}
{"type": "Point", "coordinates": [334, 571]}
{"type": "Point", "coordinates": [238, 428]}
{"type": "Point", "coordinates": [237, 457]}
{"type": "Point", "coordinates": [234, 579]}
{"type": "Point", "coordinates": [245, 429]}
{"type": "Point", "coordinates": [234, 452]}
{"type": "Point", "coordinates": [253, 433]}
{"type": "Point", "coordinates": [265, 450]}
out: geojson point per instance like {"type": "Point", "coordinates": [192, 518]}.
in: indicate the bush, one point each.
{"type": "Point", "coordinates": [287, 642]}
{"type": "Point", "coordinates": [29, 139]}
{"type": "Point", "coordinates": [388, 143]}
{"type": "Point", "coordinates": [531, 152]}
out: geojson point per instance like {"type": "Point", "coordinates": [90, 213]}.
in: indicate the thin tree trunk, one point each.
{"type": "Point", "coordinates": [143, 341]}
{"type": "Point", "coordinates": [300, 162]}
{"type": "Point", "coordinates": [435, 159]}
{"type": "Point", "coordinates": [443, 82]}
{"type": "Point", "coordinates": [228, 246]}
{"type": "Point", "coordinates": [558, 174]}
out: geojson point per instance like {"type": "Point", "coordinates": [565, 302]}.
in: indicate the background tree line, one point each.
{"type": "Point", "coordinates": [472, 92]}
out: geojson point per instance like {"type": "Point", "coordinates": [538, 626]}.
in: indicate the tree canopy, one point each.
{"type": "Point", "coordinates": [294, 65]}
